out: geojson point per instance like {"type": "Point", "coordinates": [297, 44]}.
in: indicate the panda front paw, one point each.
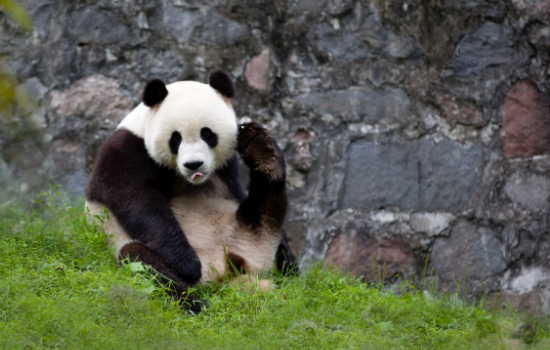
{"type": "Point", "coordinates": [192, 304]}
{"type": "Point", "coordinates": [183, 261]}
{"type": "Point", "coordinates": [190, 268]}
{"type": "Point", "coordinates": [260, 152]}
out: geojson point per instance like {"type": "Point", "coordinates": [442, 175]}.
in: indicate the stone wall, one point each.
{"type": "Point", "coordinates": [411, 127]}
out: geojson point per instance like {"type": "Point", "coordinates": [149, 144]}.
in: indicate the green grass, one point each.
{"type": "Point", "coordinates": [60, 287]}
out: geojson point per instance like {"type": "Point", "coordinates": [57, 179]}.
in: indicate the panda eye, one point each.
{"type": "Point", "coordinates": [208, 136]}
{"type": "Point", "coordinates": [175, 142]}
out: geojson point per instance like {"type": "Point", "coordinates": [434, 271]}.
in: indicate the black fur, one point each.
{"type": "Point", "coordinates": [266, 193]}
{"type": "Point", "coordinates": [221, 81]}
{"type": "Point", "coordinates": [136, 190]}
{"type": "Point", "coordinates": [137, 251]}
{"type": "Point", "coordinates": [174, 143]}
{"type": "Point", "coordinates": [208, 136]}
{"type": "Point", "coordinates": [154, 92]}
{"type": "Point", "coordinates": [285, 259]}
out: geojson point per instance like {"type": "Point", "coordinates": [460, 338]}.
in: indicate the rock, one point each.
{"type": "Point", "coordinates": [484, 50]}
{"type": "Point", "coordinates": [460, 112]}
{"type": "Point", "coordinates": [92, 26]}
{"type": "Point", "coordinates": [257, 71]}
{"type": "Point", "coordinates": [67, 160]}
{"type": "Point", "coordinates": [354, 252]}
{"type": "Point", "coordinates": [25, 154]}
{"type": "Point", "coordinates": [90, 109]}
{"type": "Point", "coordinates": [418, 175]}
{"type": "Point", "coordinates": [358, 104]}
{"type": "Point", "coordinates": [41, 12]}
{"type": "Point", "coordinates": [536, 302]}
{"type": "Point", "coordinates": [343, 46]}
{"type": "Point", "coordinates": [431, 224]}
{"type": "Point", "coordinates": [539, 35]}
{"type": "Point", "coordinates": [34, 93]}
{"type": "Point", "coordinates": [526, 129]}
{"type": "Point", "coordinates": [338, 7]}
{"type": "Point", "coordinates": [528, 279]}
{"type": "Point", "coordinates": [34, 89]}
{"type": "Point", "coordinates": [534, 8]}
{"type": "Point", "coordinates": [529, 190]}
{"type": "Point", "coordinates": [302, 159]}
{"type": "Point", "coordinates": [94, 96]}
{"type": "Point", "coordinates": [301, 6]}
{"type": "Point", "coordinates": [200, 27]}
{"type": "Point", "coordinates": [166, 65]}
{"type": "Point", "coordinates": [369, 39]}
{"type": "Point", "coordinates": [469, 246]}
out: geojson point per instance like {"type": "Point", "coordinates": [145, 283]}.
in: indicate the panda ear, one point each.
{"type": "Point", "coordinates": [222, 83]}
{"type": "Point", "coordinates": [154, 93]}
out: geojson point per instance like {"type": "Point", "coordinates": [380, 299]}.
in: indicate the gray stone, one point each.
{"type": "Point", "coordinates": [41, 12]}
{"type": "Point", "coordinates": [484, 50]}
{"type": "Point", "coordinates": [529, 190]}
{"type": "Point", "coordinates": [166, 65]}
{"type": "Point", "coordinates": [92, 26]}
{"type": "Point", "coordinates": [369, 39]}
{"type": "Point", "coordinates": [301, 6]}
{"type": "Point", "coordinates": [418, 175]}
{"type": "Point", "coordinates": [34, 89]}
{"type": "Point", "coordinates": [342, 45]}
{"type": "Point", "coordinates": [338, 7]}
{"type": "Point", "coordinates": [359, 104]}
{"type": "Point", "coordinates": [188, 4]}
{"type": "Point", "coordinates": [196, 26]}
{"type": "Point", "coordinates": [469, 246]}
{"type": "Point", "coordinates": [432, 224]}
{"type": "Point", "coordinates": [75, 183]}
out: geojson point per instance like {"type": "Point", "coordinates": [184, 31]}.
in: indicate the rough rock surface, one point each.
{"type": "Point", "coordinates": [412, 129]}
{"type": "Point", "coordinates": [526, 129]}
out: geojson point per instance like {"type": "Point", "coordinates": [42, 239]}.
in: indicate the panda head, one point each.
{"type": "Point", "coordinates": [190, 126]}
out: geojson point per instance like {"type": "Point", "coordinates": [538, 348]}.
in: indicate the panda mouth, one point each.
{"type": "Point", "coordinates": [197, 176]}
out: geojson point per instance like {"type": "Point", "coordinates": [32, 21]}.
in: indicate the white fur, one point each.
{"type": "Point", "coordinates": [189, 107]}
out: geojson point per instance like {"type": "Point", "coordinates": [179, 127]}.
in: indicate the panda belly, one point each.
{"type": "Point", "coordinates": [211, 226]}
{"type": "Point", "coordinates": [212, 229]}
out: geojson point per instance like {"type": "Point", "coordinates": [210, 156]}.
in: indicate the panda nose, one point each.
{"type": "Point", "coordinates": [193, 165]}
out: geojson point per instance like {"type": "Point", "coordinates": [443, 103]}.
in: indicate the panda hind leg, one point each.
{"type": "Point", "coordinates": [137, 251]}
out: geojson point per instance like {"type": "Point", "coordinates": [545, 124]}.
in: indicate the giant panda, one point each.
{"type": "Point", "coordinates": [169, 178]}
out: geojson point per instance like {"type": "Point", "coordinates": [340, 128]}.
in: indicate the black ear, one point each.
{"type": "Point", "coordinates": [154, 93]}
{"type": "Point", "coordinates": [221, 81]}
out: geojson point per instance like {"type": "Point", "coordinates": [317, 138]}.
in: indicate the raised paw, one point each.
{"type": "Point", "coordinates": [260, 152]}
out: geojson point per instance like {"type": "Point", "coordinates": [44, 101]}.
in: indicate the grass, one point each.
{"type": "Point", "coordinates": [60, 287]}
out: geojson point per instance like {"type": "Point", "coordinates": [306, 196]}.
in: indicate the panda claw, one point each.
{"type": "Point", "coordinates": [260, 151]}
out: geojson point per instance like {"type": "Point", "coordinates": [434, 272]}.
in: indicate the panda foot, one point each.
{"type": "Point", "coordinates": [260, 152]}
{"type": "Point", "coordinates": [194, 305]}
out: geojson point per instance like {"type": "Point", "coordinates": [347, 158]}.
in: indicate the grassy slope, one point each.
{"type": "Point", "coordinates": [60, 287]}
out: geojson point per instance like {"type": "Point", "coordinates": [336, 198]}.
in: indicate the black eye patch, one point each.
{"type": "Point", "coordinates": [208, 136]}
{"type": "Point", "coordinates": [174, 142]}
